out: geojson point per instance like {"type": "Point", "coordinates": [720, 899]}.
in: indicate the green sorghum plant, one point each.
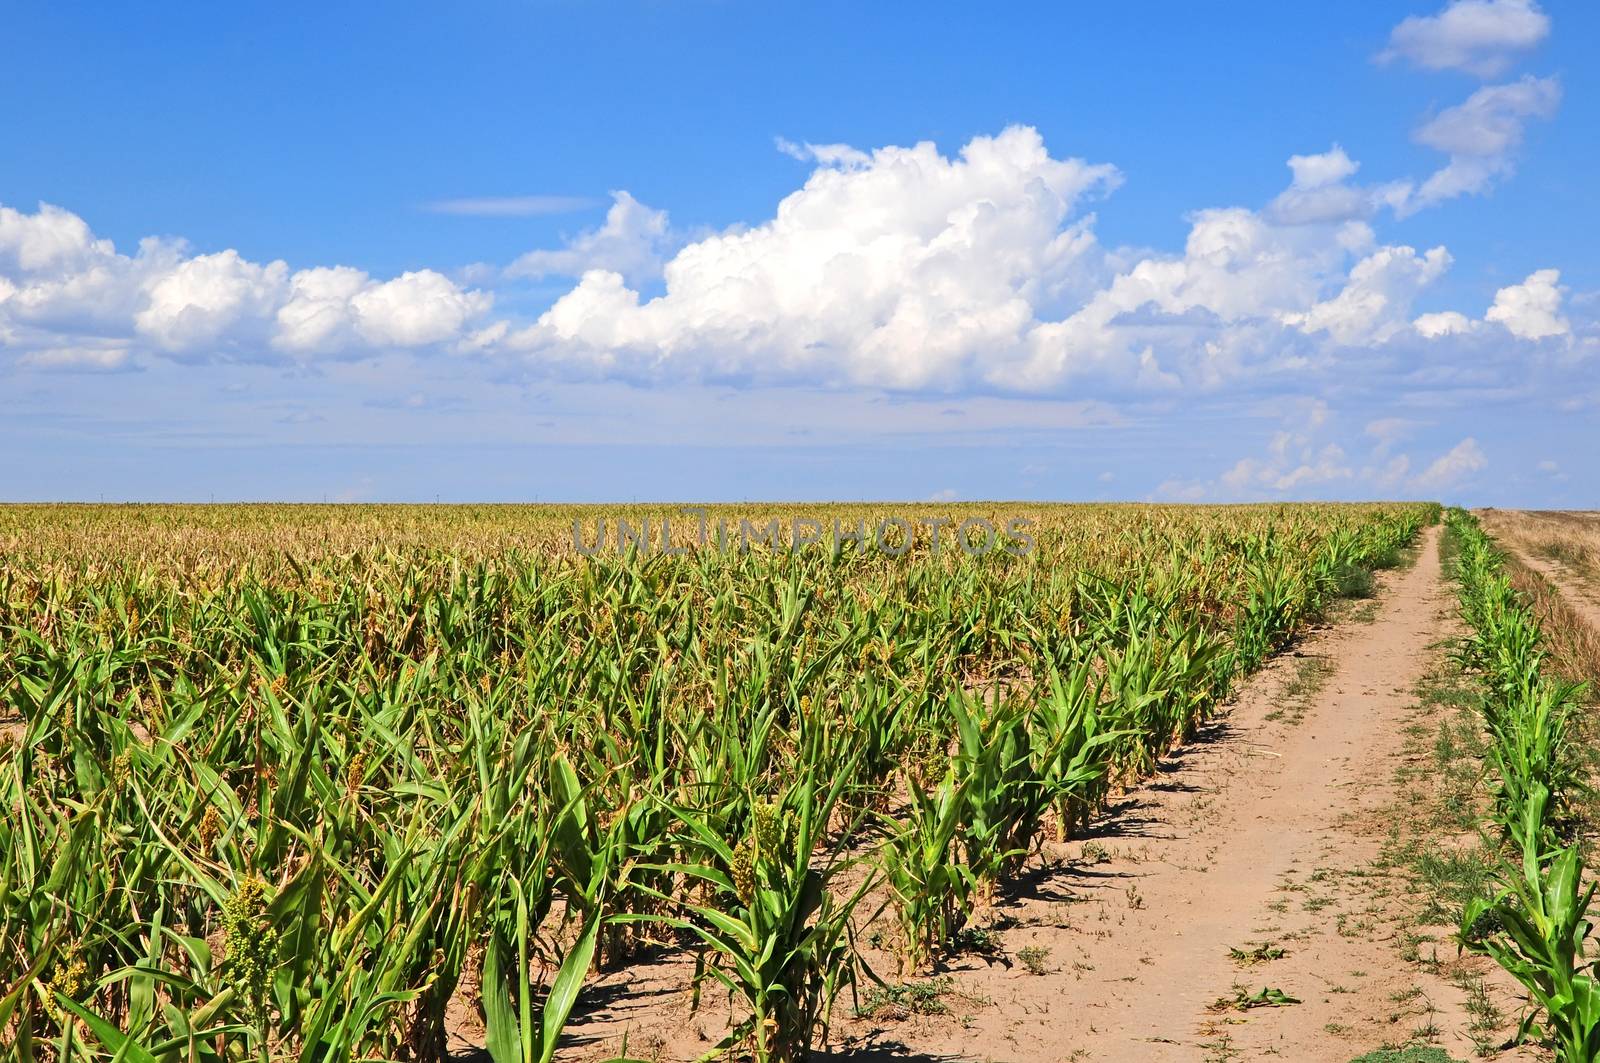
{"type": "Point", "coordinates": [250, 944]}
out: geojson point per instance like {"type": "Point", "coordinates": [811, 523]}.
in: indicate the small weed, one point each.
{"type": "Point", "coordinates": [1355, 582]}
{"type": "Point", "coordinates": [1407, 1055]}
{"type": "Point", "coordinates": [979, 941]}
{"type": "Point", "coordinates": [1259, 954]}
{"type": "Point", "coordinates": [1486, 1017]}
{"type": "Point", "coordinates": [1034, 959]}
{"type": "Point", "coordinates": [897, 1002]}
{"type": "Point", "coordinates": [1265, 997]}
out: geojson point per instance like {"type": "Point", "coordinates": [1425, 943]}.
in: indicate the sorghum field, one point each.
{"type": "Point", "coordinates": [327, 783]}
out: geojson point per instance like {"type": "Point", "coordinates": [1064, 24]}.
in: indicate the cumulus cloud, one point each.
{"type": "Point", "coordinates": [203, 298]}
{"type": "Point", "coordinates": [415, 309]}
{"type": "Point", "coordinates": [59, 280]}
{"type": "Point", "coordinates": [338, 308]}
{"type": "Point", "coordinates": [49, 242]}
{"type": "Point", "coordinates": [1481, 37]}
{"type": "Point", "coordinates": [1481, 136]}
{"type": "Point", "coordinates": [1376, 299]}
{"type": "Point", "coordinates": [70, 300]}
{"type": "Point", "coordinates": [630, 243]}
{"type": "Point", "coordinates": [318, 314]}
{"type": "Point", "coordinates": [1318, 191]}
{"type": "Point", "coordinates": [906, 268]}
{"type": "Point", "coordinates": [1531, 310]}
{"type": "Point", "coordinates": [1321, 192]}
{"type": "Point", "coordinates": [1319, 171]}
{"type": "Point", "coordinates": [900, 267]}
{"type": "Point", "coordinates": [895, 268]}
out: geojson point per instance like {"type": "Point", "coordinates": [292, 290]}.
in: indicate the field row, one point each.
{"type": "Point", "coordinates": [1533, 918]}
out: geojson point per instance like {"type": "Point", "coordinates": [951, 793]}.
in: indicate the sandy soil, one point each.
{"type": "Point", "coordinates": [1266, 832]}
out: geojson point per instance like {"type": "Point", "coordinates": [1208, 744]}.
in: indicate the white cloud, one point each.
{"type": "Point", "coordinates": [1295, 459]}
{"type": "Point", "coordinates": [905, 268]}
{"type": "Point", "coordinates": [415, 310]}
{"type": "Point", "coordinates": [1481, 37]}
{"type": "Point", "coordinates": [897, 268]}
{"type": "Point", "coordinates": [510, 206]}
{"type": "Point", "coordinates": [203, 298]}
{"type": "Point", "coordinates": [908, 269]}
{"type": "Point", "coordinates": [102, 357]}
{"type": "Point", "coordinates": [50, 242]}
{"type": "Point", "coordinates": [1221, 310]}
{"type": "Point", "coordinates": [1319, 171]}
{"type": "Point", "coordinates": [1277, 476]}
{"type": "Point", "coordinates": [1444, 323]}
{"type": "Point", "coordinates": [70, 300]}
{"type": "Point", "coordinates": [1453, 468]}
{"type": "Point", "coordinates": [630, 243]}
{"type": "Point", "coordinates": [900, 268]}
{"type": "Point", "coordinates": [1302, 459]}
{"type": "Point", "coordinates": [1531, 310]}
{"type": "Point", "coordinates": [1490, 121]}
{"type": "Point", "coordinates": [1481, 136]}
{"type": "Point", "coordinates": [826, 154]}
{"type": "Point", "coordinates": [338, 308]}
{"type": "Point", "coordinates": [318, 314]}
{"type": "Point", "coordinates": [1319, 191]}
{"type": "Point", "coordinates": [58, 279]}
{"type": "Point", "coordinates": [1376, 300]}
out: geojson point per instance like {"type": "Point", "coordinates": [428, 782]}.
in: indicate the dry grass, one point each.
{"type": "Point", "coordinates": [1553, 559]}
{"type": "Point", "coordinates": [1573, 642]}
{"type": "Point", "coordinates": [1569, 539]}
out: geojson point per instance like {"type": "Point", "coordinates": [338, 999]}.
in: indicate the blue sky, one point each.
{"type": "Point", "coordinates": [566, 274]}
